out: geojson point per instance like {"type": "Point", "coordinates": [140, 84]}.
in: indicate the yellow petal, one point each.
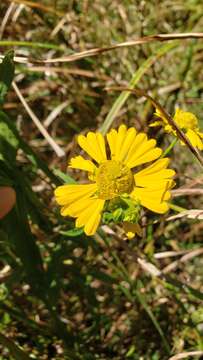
{"type": "Point", "coordinates": [66, 194]}
{"type": "Point", "coordinates": [94, 146]}
{"type": "Point", "coordinates": [79, 162]}
{"type": "Point", "coordinates": [151, 199]}
{"type": "Point", "coordinates": [150, 155]}
{"type": "Point", "coordinates": [125, 146]}
{"type": "Point", "coordinates": [93, 222]}
{"type": "Point", "coordinates": [112, 139]}
{"type": "Point", "coordinates": [158, 113]}
{"type": "Point", "coordinates": [76, 207]}
{"type": "Point", "coordinates": [156, 123]}
{"type": "Point", "coordinates": [91, 216]}
{"type": "Point", "coordinates": [195, 139]}
{"type": "Point", "coordinates": [120, 139]}
{"type": "Point", "coordinates": [154, 168]}
{"type": "Point", "coordinates": [200, 134]}
{"type": "Point", "coordinates": [154, 180]}
{"type": "Point", "coordinates": [142, 151]}
{"type": "Point", "coordinates": [163, 122]}
{"type": "Point", "coordinates": [121, 142]}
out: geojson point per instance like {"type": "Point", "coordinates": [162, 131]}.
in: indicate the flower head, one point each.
{"type": "Point", "coordinates": [186, 121]}
{"type": "Point", "coordinates": [114, 191]}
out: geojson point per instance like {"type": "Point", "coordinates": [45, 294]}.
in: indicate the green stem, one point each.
{"type": "Point", "coordinates": [170, 147]}
{"type": "Point", "coordinates": [177, 208]}
{"type": "Point", "coordinates": [30, 44]}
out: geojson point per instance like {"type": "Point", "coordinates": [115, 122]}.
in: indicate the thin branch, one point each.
{"type": "Point", "coordinates": [6, 18]}
{"type": "Point", "coordinates": [186, 355]}
{"type": "Point", "coordinates": [190, 255]}
{"type": "Point", "coordinates": [139, 41]}
{"type": "Point", "coordinates": [42, 7]}
{"type": "Point", "coordinates": [60, 152]}
{"type": "Point", "coordinates": [167, 254]}
{"type": "Point", "coordinates": [186, 191]}
{"type": "Point", "coordinates": [98, 51]}
{"type": "Point", "coordinates": [53, 114]}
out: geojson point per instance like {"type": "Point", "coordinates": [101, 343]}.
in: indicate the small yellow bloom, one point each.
{"type": "Point", "coordinates": [112, 179]}
{"type": "Point", "coordinates": [187, 122]}
{"type": "Point", "coordinates": [132, 229]}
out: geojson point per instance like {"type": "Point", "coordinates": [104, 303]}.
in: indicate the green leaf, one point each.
{"type": "Point", "coordinates": [67, 179]}
{"type": "Point", "coordinates": [72, 232]}
{"type": "Point", "coordinates": [8, 135]}
{"type": "Point", "coordinates": [7, 70]}
{"type": "Point", "coordinates": [17, 228]}
{"type": "Point", "coordinates": [100, 275]}
{"type": "Point", "coordinates": [34, 159]}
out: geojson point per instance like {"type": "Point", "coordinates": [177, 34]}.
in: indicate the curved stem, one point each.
{"type": "Point", "coordinates": [177, 208]}
{"type": "Point", "coordinates": [170, 147]}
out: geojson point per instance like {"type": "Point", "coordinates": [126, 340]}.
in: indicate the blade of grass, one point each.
{"type": "Point", "coordinates": [142, 301]}
{"type": "Point", "coordinates": [34, 159]}
{"type": "Point", "coordinates": [134, 293]}
{"type": "Point", "coordinates": [7, 70]}
{"type": "Point", "coordinates": [35, 45]}
{"type": "Point", "coordinates": [134, 81]}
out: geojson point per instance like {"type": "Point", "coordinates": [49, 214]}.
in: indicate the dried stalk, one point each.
{"type": "Point", "coordinates": [60, 152]}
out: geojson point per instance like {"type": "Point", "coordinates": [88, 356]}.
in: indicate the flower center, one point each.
{"type": "Point", "coordinates": [113, 179]}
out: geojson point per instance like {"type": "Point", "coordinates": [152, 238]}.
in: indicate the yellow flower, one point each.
{"type": "Point", "coordinates": [112, 179]}
{"type": "Point", "coordinates": [187, 122]}
{"type": "Point", "coordinates": [132, 229]}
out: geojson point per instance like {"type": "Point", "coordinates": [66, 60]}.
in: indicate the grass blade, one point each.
{"type": "Point", "coordinates": [134, 81]}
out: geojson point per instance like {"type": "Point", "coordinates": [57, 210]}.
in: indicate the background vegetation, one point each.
{"type": "Point", "coordinates": [63, 295]}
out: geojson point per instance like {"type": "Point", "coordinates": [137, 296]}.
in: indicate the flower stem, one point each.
{"type": "Point", "coordinates": [177, 208]}
{"type": "Point", "coordinates": [170, 147]}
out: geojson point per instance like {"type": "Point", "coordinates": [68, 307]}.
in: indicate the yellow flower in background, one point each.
{"type": "Point", "coordinates": [113, 187]}
{"type": "Point", "coordinates": [186, 121]}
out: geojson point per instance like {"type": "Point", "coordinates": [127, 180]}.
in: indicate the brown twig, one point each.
{"type": "Point", "coordinates": [139, 41]}
{"type": "Point", "coordinates": [99, 51]}
{"type": "Point", "coordinates": [71, 71]}
{"type": "Point", "coordinates": [60, 152]}
{"type": "Point", "coordinates": [168, 117]}
{"type": "Point", "coordinates": [185, 192]}
{"type": "Point", "coordinates": [42, 7]}
{"type": "Point", "coordinates": [190, 255]}
{"type": "Point", "coordinates": [185, 355]}
{"type": "Point", "coordinates": [6, 18]}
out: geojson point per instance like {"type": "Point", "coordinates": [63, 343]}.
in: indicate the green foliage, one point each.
{"type": "Point", "coordinates": [122, 209]}
{"type": "Point", "coordinates": [7, 70]}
